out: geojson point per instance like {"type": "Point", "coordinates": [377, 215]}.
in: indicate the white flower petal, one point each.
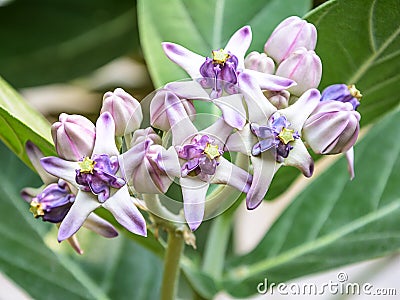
{"type": "Point", "coordinates": [125, 212]}
{"type": "Point", "coordinates": [186, 59]}
{"type": "Point", "coordinates": [194, 193]}
{"type": "Point", "coordinates": [300, 158]}
{"type": "Point", "coordinates": [239, 43]}
{"type": "Point", "coordinates": [298, 112]}
{"type": "Point", "coordinates": [84, 204]}
{"type": "Point", "coordinates": [105, 135]}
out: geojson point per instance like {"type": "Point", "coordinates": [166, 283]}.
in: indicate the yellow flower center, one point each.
{"type": "Point", "coordinates": [354, 91]}
{"type": "Point", "coordinates": [36, 208]}
{"type": "Point", "coordinates": [286, 135]}
{"type": "Point", "coordinates": [220, 56]}
{"type": "Point", "coordinates": [86, 165]}
{"type": "Point", "coordinates": [211, 151]}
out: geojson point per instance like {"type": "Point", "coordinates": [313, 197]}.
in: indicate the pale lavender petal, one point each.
{"type": "Point", "coordinates": [270, 82]}
{"type": "Point", "coordinates": [232, 110]}
{"type": "Point", "coordinates": [186, 59]}
{"type": "Point", "coordinates": [60, 168]}
{"type": "Point", "coordinates": [194, 196]}
{"type": "Point", "coordinates": [300, 158]}
{"type": "Point", "coordinates": [181, 126]}
{"type": "Point", "coordinates": [105, 135]}
{"type": "Point", "coordinates": [239, 43]}
{"type": "Point", "coordinates": [219, 131]}
{"type": "Point", "coordinates": [35, 155]}
{"type": "Point", "coordinates": [131, 159]}
{"type": "Point", "coordinates": [125, 212]}
{"type": "Point", "coordinates": [264, 169]}
{"type": "Point", "coordinates": [241, 141]}
{"type": "Point", "coordinates": [228, 173]}
{"type": "Point", "coordinates": [298, 112]}
{"type": "Point", "coordinates": [158, 114]}
{"type": "Point", "coordinates": [100, 226]}
{"type": "Point", "coordinates": [188, 90]}
{"type": "Point", "coordinates": [259, 108]}
{"type": "Point", "coordinates": [350, 162]}
{"type": "Point", "coordinates": [28, 193]}
{"type": "Point", "coordinates": [84, 204]}
{"type": "Point", "coordinates": [169, 161]}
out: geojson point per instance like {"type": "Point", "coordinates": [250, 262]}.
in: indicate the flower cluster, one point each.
{"type": "Point", "coordinates": [268, 109]}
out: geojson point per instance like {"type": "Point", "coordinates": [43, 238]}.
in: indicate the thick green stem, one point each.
{"type": "Point", "coordinates": [172, 265]}
{"type": "Point", "coordinates": [221, 227]}
{"type": "Point", "coordinates": [216, 246]}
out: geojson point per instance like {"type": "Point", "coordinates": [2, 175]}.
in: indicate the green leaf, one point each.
{"type": "Point", "coordinates": [334, 221]}
{"type": "Point", "coordinates": [109, 269]}
{"type": "Point", "coordinates": [121, 267]}
{"type": "Point", "coordinates": [20, 122]}
{"type": "Point", "coordinates": [24, 257]}
{"type": "Point", "coordinates": [202, 26]}
{"type": "Point", "coordinates": [359, 42]}
{"type": "Point", "coordinates": [53, 41]}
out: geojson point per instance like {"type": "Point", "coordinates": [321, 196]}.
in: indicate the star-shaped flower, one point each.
{"type": "Point", "coordinates": [273, 137]}
{"type": "Point", "coordinates": [98, 182]}
{"type": "Point", "coordinates": [221, 71]}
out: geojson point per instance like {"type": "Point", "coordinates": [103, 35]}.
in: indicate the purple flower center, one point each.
{"type": "Point", "coordinates": [97, 175]}
{"type": "Point", "coordinates": [343, 93]}
{"type": "Point", "coordinates": [275, 135]}
{"type": "Point", "coordinates": [219, 72]}
{"type": "Point", "coordinates": [53, 203]}
{"type": "Point", "coordinates": [201, 155]}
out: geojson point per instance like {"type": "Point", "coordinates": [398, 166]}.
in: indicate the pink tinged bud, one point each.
{"type": "Point", "coordinates": [73, 136]}
{"type": "Point", "coordinates": [259, 62]}
{"type": "Point", "coordinates": [291, 34]}
{"type": "Point", "coordinates": [304, 67]}
{"type": "Point", "coordinates": [278, 99]}
{"type": "Point", "coordinates": [332, 128]}
{"type": "Point", "coordinates": [148, 166]}
{"type": "Point", "coordinates": [125, 110]}
{"type": "Point", "coordinates": [158, 110]}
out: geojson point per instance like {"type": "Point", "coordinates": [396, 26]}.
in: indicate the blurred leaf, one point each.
{"type": "Point", "coordinates": [359, 43]}
{"type": "Point", "coordinates": [202, 26]}
{"type": "Point", "coordinates": [46, 41]}
{"type": "Point", "coordinates": [109, 269]}
{"type": "Point", "coordinates": [23, 255]}
{"type": "Point", "coordinates": [123, 269]}
{"type": "Point", "coordinates": [20, 122]}
{"type": "Point", "coordinates": [334, 221]}
{"type": "Point", "coordinates": [362, 48]}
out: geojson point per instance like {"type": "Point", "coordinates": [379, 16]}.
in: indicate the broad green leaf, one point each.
{"type": "Point", "coordinates": [19, 122]}
{"type": "Point", "coordinates": [359, 43]}
{"type": "Point", "coordinates": [202, 26]}
{"type": "Point", "coordinates": [24, 257]}
{"type": "Point", "coordinates": [122, 268]}
{"type": "Point", "coordinates": [53, 41]}
{"type": "Point", "coordinates": [334, 221]}
{"type": "Point", "coordinates": [109, 268]}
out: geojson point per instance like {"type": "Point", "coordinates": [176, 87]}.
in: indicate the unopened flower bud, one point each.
{"type": "Point", "coordinates": [279, 99]}
{"type": "Point", "coordinates": [342, 93]}
{"type": "Point", "coordinates": [125, 110]}
{"type": "Point", "coordinates": [291, 34]}
{"type": "Point", "coordinates": [73, 136]}
{"type": "Point", "coordinates": [147, 165]}
{"type": "Point", "coordinates": [332, 127]}
{"type": "Point", "coordinates": [259, 62]}
{"type": "Point", "coordinates": [158, 110]}
{"type": "Point", "coordinates": [303, 66]}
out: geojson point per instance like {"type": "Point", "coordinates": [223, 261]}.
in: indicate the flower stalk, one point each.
{"type": "Point", "coordinates": [172, 265]}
